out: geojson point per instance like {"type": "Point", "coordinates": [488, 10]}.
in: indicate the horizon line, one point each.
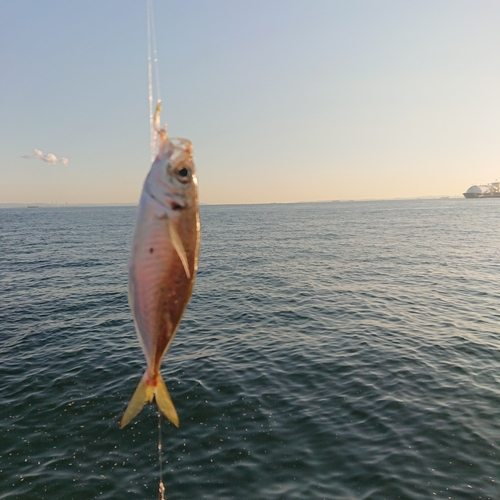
{"type": "Point", "coordinates": [131, 204]}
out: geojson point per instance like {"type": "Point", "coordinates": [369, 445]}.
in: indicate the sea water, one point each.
{"type": "Point", "coordinates": [330, 351]}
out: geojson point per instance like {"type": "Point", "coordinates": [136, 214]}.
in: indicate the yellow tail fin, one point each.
{"type": "Point", "coordinates": [144, 394]}
{"type": "Point", "coordinates": [165, 403]}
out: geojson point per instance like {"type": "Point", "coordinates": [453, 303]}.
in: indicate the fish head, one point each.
{"type": "Point", "coordinates": [172, 180]}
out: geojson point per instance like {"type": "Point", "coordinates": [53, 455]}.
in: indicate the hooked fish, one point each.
{"type": "Point", "coordinates": [163, 264]}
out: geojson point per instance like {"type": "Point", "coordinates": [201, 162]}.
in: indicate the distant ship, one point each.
{"type": "Point", "coordinates": [484, 191]}
{"type": "Point", "coordinates": [33, 206]}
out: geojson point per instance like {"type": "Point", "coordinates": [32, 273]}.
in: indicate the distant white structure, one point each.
{"type": "Point", "coordinates": [484, 191]}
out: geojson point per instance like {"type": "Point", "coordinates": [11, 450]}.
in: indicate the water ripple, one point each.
{"type": "Point", "coordinates": [330, 351]}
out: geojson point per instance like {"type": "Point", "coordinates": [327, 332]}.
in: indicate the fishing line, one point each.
{"type": "Point", "coordinates": [152, 68]}
{"type": "Point", "coordinates": [155, 55]}
{"type": "Point", "coordinates": [152, 136]}
{"type": "Point", "coordinates": [161, 486]}
{"type": "Point", "coordinates": [150, 83]}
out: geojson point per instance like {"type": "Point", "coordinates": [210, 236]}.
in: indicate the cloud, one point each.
{"type": "Point", "coordinates": [49, 158]}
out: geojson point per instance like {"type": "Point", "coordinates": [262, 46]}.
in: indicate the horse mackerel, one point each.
{"type": "Point", "coordinates": [163, 264]}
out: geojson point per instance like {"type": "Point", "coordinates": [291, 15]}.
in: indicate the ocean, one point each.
{"type": "Point", "coordinates": [345, 350]}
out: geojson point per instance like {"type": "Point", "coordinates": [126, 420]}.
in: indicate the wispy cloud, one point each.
{"type": "Point", "coordinates": [50, 158]}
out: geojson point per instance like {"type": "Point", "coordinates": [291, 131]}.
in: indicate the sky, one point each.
{"type": "Point", "coordinates": [284, 100]}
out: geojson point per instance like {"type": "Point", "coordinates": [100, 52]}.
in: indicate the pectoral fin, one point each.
{"type": "Point", "coordinates": [179, 247]}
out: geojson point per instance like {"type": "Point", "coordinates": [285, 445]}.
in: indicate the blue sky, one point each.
{"type": "Point", "coordinates": [284, 100]}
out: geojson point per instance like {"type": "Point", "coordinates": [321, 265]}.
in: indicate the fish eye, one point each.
{"type": "Point", "coordinates": [183, 174]}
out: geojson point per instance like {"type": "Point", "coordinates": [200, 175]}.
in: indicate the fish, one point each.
{"type": "Point", "coordinates": [163, 264]}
